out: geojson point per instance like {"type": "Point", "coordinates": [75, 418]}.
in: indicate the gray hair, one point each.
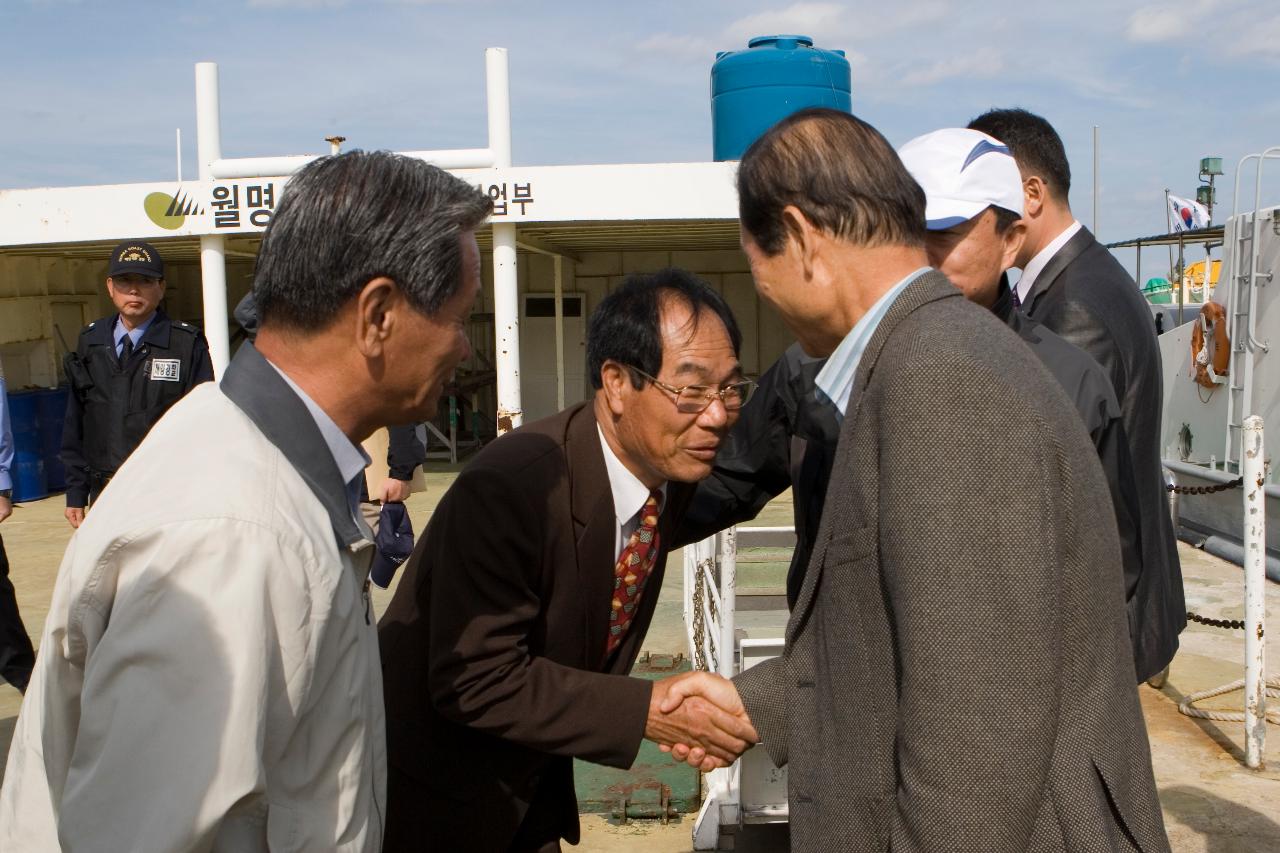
{"type": "Point", "coordinates": [348, 219]}
{"type": "Point", "coordinates": [839, 172]}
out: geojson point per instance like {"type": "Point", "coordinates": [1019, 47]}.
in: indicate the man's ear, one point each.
{"type": "Point", "coordinates": [614, 381]}
{"type": "Point", "coordinates": [802, 238]}
{"type": "Point", "coordinates": [376, 307]}
{"type": "Point", "coordinates": [1035, 196]}
{"type": "Point", "coordinates": [1013, 238]}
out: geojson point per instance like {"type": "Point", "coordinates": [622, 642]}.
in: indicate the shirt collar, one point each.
{"type": "Point", "coordinates": [629, 494]}
{"type": "Point", "coordinates": [835, 379]}
{"type": "Point", "coordinates": [1036, 265]}
{"type": "Point", "coordinates": [118, 330]}
{"type": "Point", "coordinates": [350, 459]}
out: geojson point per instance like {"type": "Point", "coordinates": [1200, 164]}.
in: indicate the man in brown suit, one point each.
{"type": "Point", "coordinates": [507, 646]}
{"type": "Point", "coordinates": [957, 674]}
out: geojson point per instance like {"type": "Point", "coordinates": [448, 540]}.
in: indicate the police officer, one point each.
{"type": "Point", "coordinates": [126, 372]}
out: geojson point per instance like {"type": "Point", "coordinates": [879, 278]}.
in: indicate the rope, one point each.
{"type": "Point", "coordinates": [1185, 706]}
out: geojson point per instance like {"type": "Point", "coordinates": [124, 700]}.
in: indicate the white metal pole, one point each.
{"type": "Point", "coordinates": [559, 264]}
{"type": "Point", "coordinates": [213, 259]}
{"type": "Point", "coordinates": [208, 119]}
{"type": "Point", "coordinates": [213, 274]}
{"type": "Point", "coordinates": [506, 313]}
{"type": "Point", "coordinates": [498, 93]}
{"type": "Point", "coordinates": [1208, 272]}
{"type": "Point", "coordinates": [1255, 591]}
{"type": "Point", "coordinates": [506, 317]}
{"type": "Point", "coordinates": [728, 598]}
{"type": "Point", "coordinates": [1095, 180]}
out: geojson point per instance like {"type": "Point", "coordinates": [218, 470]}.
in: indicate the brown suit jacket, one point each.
{"type": "Point", "coordinates": [493, 648]}
{"type": "Point", "coordinates": [957, 673]}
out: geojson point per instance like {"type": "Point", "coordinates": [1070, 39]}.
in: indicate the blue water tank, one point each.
{"type": "Point", "coordinates": [775, 76]}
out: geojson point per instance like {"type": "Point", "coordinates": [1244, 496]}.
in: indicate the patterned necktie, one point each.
{"type": "Point", "coordinates": [126, 349]}
{"type": "Point", "coordinates": [632, 570]}
{"type": "Point", "coordinates": [1017, 303]}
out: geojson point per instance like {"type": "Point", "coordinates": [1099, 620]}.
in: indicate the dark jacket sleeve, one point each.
{"type": "Point", "coordinates": [404, 452]}
{"type": "Point", "coordinates": [1073, 321]}
{"type": "Point", "coordinates": [246, 314]}
{"type": "Point", "coordinates": [1117, 464]}
{"type": "Point", "coordinates": [753, 467]}
{"type": "Point", "coordinates": [201, 365]}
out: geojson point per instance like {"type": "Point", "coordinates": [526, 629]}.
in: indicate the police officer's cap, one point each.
{"type": "Point", "coordinates": [137, 257]}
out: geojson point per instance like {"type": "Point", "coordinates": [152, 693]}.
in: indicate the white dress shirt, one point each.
{"type": "Point", "coordinates": [629, 495]}
{"type": "Point", "coordinates": [1036, 265]}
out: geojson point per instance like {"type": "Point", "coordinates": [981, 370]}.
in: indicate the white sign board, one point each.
{"type": "Point", "coordinates": [659, 191]}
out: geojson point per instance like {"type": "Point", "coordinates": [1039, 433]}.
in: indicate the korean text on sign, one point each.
{"type": "Point", "coordinates": [521, 194]}
{"type": "Point", "coordinates": [259, 201]}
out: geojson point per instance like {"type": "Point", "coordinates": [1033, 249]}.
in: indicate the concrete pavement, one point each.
{"type": "Point", "coordinates": [1212, 803]}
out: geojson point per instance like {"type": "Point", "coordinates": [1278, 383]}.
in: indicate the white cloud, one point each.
{"type": "Point", "coordinates": [1211, 29]}
{"type": "Point", "coordinates": [681, 46]}
{"type": "Point", "coordinates": [1255, 36]}
{"type": "Point", "coordinates": [1160, 23]}
{"type": "Point", "coordinates": [812, 19]}
{"type": "Point", "coordinates": [974, 65]}
{"type": "Point", "coordinates": [297, 4]}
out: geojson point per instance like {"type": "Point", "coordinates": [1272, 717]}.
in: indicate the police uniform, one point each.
{"type": "Point", "coordinates": [116, 397]}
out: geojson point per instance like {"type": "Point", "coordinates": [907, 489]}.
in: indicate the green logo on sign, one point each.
{"type": "Point", "coordinates": [170, 211]}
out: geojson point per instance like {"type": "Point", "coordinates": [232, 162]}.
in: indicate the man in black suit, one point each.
{"type": "Point", "coordinates": [1073, 285]}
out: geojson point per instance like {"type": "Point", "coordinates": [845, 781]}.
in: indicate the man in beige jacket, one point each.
{"type": "Point", "coordinates": [209, 675]}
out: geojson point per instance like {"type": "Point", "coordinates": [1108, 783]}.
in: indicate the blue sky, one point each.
{"type": "Point", "coordinates": [92, 91]}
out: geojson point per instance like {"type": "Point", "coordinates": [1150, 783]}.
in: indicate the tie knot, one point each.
{"type": "Point", "coordinates": [649, 512]}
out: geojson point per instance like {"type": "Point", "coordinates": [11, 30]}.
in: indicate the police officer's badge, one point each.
{"type": "Point", "coordinates": [165, 369]}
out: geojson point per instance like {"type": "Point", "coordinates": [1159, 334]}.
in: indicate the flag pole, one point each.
{"type": "Point", "coordinates": [1095, 180]}
{"type": "Point", "coordinates": [1168, 225]}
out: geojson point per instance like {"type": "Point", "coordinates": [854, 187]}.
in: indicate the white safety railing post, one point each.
{"type": "Point", "coordinates": [506, 318]}
{"type": "Point", "coordinates": [728, 599]}
{"type": "Point", "coordinates": [1255, 592]}
{"type": "Point", "coordinates": [506, 301]}
{"type": "Point", "coordinates": [213, 258]}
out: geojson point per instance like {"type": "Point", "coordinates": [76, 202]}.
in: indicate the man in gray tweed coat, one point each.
{"type": "Point", "coordinates": [957, 673]}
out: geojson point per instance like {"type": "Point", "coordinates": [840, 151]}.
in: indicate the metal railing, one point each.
{"type": "Point", "coordinates": [751, 790]}
{"type": "Point", "coordinates": [1254, 535]}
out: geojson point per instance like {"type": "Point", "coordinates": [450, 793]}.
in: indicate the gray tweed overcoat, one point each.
{"type": "Point", "coordinates": [958, 673]}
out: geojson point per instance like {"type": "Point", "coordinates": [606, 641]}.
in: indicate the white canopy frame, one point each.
{"type": "Point", "coordinates": [213, 166]}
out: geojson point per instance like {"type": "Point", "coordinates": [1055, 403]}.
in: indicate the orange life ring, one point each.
{"type": "Point", "coordinates": [1210, 346]}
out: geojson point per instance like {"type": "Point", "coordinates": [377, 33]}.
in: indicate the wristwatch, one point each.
{"type": "Point", "coordinates": [6, 493]}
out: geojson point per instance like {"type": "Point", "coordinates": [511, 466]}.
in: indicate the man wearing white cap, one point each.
{"type": "Point", "coordinates": [973, 213]}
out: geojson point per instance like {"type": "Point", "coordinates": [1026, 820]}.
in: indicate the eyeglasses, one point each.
{"type": "Point", "coordinates": [693, 399]}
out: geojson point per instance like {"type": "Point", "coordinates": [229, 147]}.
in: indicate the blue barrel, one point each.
{"type": "Point", "coordinates": [29, 483]}
{"type": "Point", "coordinates": [51, 413]}
{"type": "Point", "coordinates": [752, 89]}
{"type": "Point", "coordinates": [28, 472]}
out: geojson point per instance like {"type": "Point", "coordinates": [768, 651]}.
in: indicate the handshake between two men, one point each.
{"type": "Point", "coordinates": [699, 718]}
